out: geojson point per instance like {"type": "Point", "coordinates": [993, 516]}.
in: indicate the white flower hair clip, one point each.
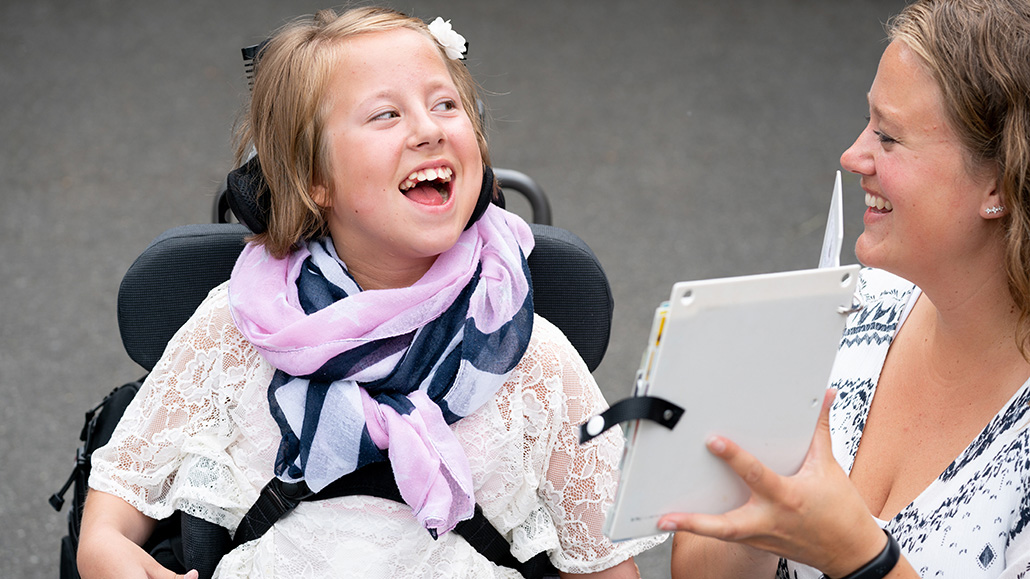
{"type": "Point", "coordinates": [454, 44]}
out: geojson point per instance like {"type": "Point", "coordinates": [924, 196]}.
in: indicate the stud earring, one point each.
{"type": "Point", "coordinates": [993, 210]}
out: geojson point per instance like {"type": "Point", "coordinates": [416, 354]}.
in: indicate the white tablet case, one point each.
{"type": "Point", "coordinates": [748, 358]}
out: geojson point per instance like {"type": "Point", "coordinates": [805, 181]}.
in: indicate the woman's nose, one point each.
{"type": "Point", "coordinates": [858, 158]}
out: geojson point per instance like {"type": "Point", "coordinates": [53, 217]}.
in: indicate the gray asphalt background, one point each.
{"type": "Point", "coordinates": [680, 139]}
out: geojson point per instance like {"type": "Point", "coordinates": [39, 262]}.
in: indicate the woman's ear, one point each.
{"type": "Point", "coordinates": [992, 206]}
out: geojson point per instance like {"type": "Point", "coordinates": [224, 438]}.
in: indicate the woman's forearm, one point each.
{"type": "Point", "coordinates": [625, 570]}
{"type": "Point", "coordinates": [697, 557]}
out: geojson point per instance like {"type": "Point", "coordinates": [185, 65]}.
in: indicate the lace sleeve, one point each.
{"type": "Point", "coordinates": [173, 448]}
{"type": "Point", "coordinates": [580, 481]}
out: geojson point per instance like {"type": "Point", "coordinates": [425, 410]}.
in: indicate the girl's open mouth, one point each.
{"type": "Point", "coordinates": [428, 186]}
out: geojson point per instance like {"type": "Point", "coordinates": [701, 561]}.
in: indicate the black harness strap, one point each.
{"type": "Point", "coordinates": [275, 500]}
{"type": "Point", "coordinates": [279, 498]}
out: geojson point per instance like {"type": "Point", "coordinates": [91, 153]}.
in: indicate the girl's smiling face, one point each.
{"type": "Point", "coordinates": [404, 166]}
{"type": "Point", "coordinates": [924, 193]}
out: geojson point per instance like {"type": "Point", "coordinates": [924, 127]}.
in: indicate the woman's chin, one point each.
{"type": "Point", "coordinates": [867, 252]}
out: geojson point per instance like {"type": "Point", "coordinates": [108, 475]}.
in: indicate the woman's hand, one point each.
{"type": "Point", "coordinates": [109, 542]}
{"type": "Point", "coordinates": [815, 517]}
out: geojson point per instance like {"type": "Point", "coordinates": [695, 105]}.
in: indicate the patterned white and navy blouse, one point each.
{"type": "Point", "coordinates": [971, 522]}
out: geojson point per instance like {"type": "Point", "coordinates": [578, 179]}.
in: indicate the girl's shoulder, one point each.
{"type": "Point", "coordinates": [214, 316]}
{"type": "Point", "coordinates": [211, 335]}
{"type": "Point", "coordinates": [546, 332]}
{"type": "Point", "coordinates": [550, 346]}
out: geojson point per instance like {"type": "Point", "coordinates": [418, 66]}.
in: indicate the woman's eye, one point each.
{"type": "Point", "coordinates": [884, 138]}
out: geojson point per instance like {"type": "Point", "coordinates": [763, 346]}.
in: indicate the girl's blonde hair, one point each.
{"type": "Point", "coordinates": [286, 119]}
{"type": "Point", "coordinates": [978, 51]}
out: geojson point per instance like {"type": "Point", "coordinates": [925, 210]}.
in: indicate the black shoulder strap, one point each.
{"type": "Point", "coordinates": [279, 498]}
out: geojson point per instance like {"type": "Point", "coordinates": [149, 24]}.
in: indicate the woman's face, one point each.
{"type": "Point", "coordinates": [924, 196]}
{"type": "Point", "coordinates": [405, 168]}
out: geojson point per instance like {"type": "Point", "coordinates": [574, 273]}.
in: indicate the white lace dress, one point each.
{"type": "Point", "coordinates": [199, 438]}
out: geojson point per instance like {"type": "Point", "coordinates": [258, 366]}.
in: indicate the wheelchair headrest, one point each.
{"type": "Point", "coordinates": [248, 195]}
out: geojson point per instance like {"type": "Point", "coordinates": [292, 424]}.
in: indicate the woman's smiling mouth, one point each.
{"type": "Point", "coordinates": [878, 203]}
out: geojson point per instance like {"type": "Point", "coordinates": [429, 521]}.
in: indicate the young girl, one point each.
{"type": "Point", "coordinates": [385, 314]}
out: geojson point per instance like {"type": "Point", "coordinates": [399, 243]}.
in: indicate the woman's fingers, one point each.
{"type": "Point", "coordinates": [768, 489]}
{"type": "Point", "coordinates": [811, 517]}
{"type": "Point", "coordinates": [732, 526]}
{"type": "Point", "coordinates": [690, 522]}
{"type": "Point", "coordinates": [820, 446]}
{"type": "Point", "coordinates": [739, 523]}
{"type": "Point", "coordinates": [756, 476]}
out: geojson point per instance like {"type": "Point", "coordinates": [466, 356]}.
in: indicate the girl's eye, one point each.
{"type": "Point", "coordinates": [447, 105]}
{"type": "Point", "coordinates": [385, 116]}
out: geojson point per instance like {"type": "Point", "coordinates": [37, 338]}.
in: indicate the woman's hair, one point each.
{"type": "Point", "coordinates": [979, 53]}
{"type": "Point", "coordinates": [285, 123]}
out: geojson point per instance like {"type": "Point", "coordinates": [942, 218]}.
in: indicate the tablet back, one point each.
{"type": "Point", "coordinates": [748, 358]}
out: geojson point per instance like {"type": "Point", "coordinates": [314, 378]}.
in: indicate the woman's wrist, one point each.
{"type": "Point", "coordinates": [880, 565]}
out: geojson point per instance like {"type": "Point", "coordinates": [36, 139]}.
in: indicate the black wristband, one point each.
{"type": "Point", "coordinates": [881, 564]}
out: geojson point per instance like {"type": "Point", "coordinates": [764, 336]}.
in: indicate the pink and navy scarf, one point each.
{"type": "Point", "coordinates": [366, 376]}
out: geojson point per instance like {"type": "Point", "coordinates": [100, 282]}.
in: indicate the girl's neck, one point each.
{"type": "Point", "coordinates": [386, 273]}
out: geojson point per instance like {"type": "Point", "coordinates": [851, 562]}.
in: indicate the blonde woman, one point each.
{"type": "Point", "coordinates": [920, 466]}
